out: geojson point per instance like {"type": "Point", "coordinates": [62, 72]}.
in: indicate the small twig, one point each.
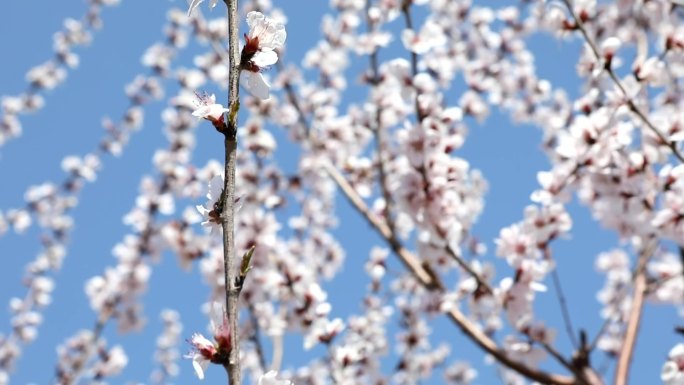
{"type": "Point", "coordinates": [475, 334]}
{"type": "Point", "coordinates": [681, 257]}
{"type": "Point", "coordinates": [482, 286]}
{"type": "Point", "coordinates": [559, 357]}
{"type": "Point", "coordinates": [564, 309]}
{"type": "Point", "coordinates": [630, 102]}
{"type": "Point", "coordinates": [598, 336]}
{"type": "Point", "coordinates": [406, 10]}
{"type": "Point", "coordinates": [278, 348]}
{"type": "Point", "coordinates": [256, 337]}
{"type": "Point", "coordinates": [73, 377]}
{"type": "Point", "coordinates": [378, 131]}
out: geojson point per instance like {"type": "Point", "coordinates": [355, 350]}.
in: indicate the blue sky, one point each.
{"type": "Point", "coordinates": [509, 156]}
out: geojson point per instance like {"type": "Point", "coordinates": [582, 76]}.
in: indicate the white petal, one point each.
{"type": "Point", "coordinates": [200, 365]}
{"type": "Point", "coordinates": [194, 5]}
{"type": "Point", "coordinates": [215, 188]}
{"type": "Point", "coordinates": [255, 83]}
{"type": "Point", "coordinates": [610, 45]}
{"type": "Point", "coordinates": [212, 4]}
{"type": "Point", "coordinates": [669, 372]}
{"type": "Point", "coordinates": [266, 378]}
{"type": "Point", "coordinates": [536, 286]}
{"type": "Point", "coordinates": [202, 210]}
{"type": "Point", "coordinates": [252, 19]}
{"type": "Point", "coordinates": [265, 58]}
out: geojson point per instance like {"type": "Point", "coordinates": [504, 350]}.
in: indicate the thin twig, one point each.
{"type": "Point", "coordinates": [625, 359]}
{"type": "Point", "coordinates": [475, 334]}
{"type": "Point", "coordinates": [564, 309]}
{"type": "Point", "coordinates": [559, 357]}
{"type": "Point", "coordinates": [681, 256]}
{"type": "Point", "coordinates": [378, 131]}
{"type": "Point", "coordinates": [600, 333]}
{"type": "Point", "coordinates": [255, 337]}
{"type": "Point", "coordinates": [77, 368]}
{"type": "Point", "coordinates": [630, 102]}
{"type": "Point", "coordinates": [278, 346]}
{"type": "Point", "coordinates": [228, 213]}
{"type": "Point", "coordinates": [388, 222]}
{"type": "Point", "coordinates": [482, 286]}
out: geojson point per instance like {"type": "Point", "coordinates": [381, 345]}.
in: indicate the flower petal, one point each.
{"type": "Point", "coordinates": [200, 364]}
{"type": "Point", "coordinates": [265, 58]}
{"type": "Point", "coordinates": [194, 5]}
{"type": "Point", "coordinates": [255, 83]}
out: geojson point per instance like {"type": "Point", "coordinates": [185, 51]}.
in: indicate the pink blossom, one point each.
{"type": "Point", "coordinates": [208, 109]}
{"type": "Point", "coordinates": [264, 37]}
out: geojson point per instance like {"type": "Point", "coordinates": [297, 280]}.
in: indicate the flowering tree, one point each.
{"type": "Point", "coordinates": [373, 122]}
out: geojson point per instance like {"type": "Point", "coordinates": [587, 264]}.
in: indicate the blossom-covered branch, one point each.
{"type": "Point", "coordinates": [53, 72]}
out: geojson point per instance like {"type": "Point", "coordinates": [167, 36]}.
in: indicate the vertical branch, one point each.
{"type": "Point", "coordinates": [228, 213]}
{"type": "Point", "coordinates": [625, 360]}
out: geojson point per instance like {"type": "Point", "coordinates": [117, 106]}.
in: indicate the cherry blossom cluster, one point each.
{"type": "Point", "coordinates": [49, 205]}
{"type": "Point", "coordinates": [526, 248]}
{"type": "Point", "coordinates": [342, 137]}
{"type": "Point", "coordinates": [265, 36]}
{"type": "Point", "coordinates": [615, 297]}
{"type": "Point", "coordinates": [167, 353]}
{"type": "Point", "coordinates": [418, 359]}
{"type": "Point", "coordinates": [86, 350]}
{"type": "Point", "coordinates": [53, 72]}
{"type": "Point", "coordinates": [115, 293]}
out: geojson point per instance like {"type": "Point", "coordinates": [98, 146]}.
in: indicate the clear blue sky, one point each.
{"type": "Point", "coordinates": [508, 155]}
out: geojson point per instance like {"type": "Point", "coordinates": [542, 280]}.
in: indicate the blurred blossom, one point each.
{"type": "Point", "coordinates": [673, 370]}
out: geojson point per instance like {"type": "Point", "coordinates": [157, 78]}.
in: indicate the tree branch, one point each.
{"type": "Point", "coordinates": [625, 359]}
{"type": "Point", "coordinates": [562, 302]}
{"type": "Point", "coordinates": [423, 272]}
{"type": "Point", "coordinates": [482, 285]}
{"type": "Point", "coordinates": [228, 212]}
{"type": "Point", "coordinates": [630, 102]}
